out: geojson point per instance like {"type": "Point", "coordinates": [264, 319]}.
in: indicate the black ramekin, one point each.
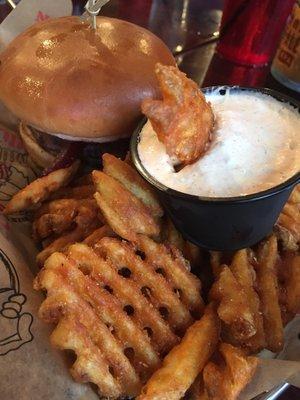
{"type": "Point", "coordinates": [217, 223]}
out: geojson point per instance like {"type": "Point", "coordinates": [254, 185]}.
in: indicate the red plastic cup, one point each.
{"type": "Point", "coordinates": [250, 29]}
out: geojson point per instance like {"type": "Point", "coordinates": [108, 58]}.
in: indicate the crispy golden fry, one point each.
{"type": "Point", "coordinates": [185, 361]}
{"type": "Point", "coordinates": [77, 192]}
{"type": "Point", "coordinates": [128, 292]}
{"type": "Point", "coordinates": [170, 262]}
{"type": "Point", "coordinates": [268, 293]}
{"type": "Point", "coordinates": [295, 196]}
{"type": "Point", "coordinates": [154, 286]}
{"type": "Point", "coordinates": [227, 381]}
{"type": "Point", "coordinates": [60, 206]}
{"type": "Point", "coordinates": [105, 305]}
{"type": "Point", "coordinates": [123, 211]}
{"type": "Point", "coordinates": [132, 181]}
{"type": "Point", "coordinates": [197, 391]}
{"type": "Point", "coordinates": [40, 189]}
{"type": "Point", "coordinates": [170, 235]}
{"type": "Point", "coordinates": [63, 242]}
{"type": "Point", "coordinates": [98, 234]}
{"type": "Point", "coordinates": [69, 293]}
{"type": "Point", "coordinates": [290, 285]}
{"type": "Point", "coordinates": [113, 310]}
{"type": "Point", "coordinates": [293, 286]}
{"type": "Point", "coordinates": [49, 224]}
{"type": "Point", "coordinates": [183, 120]}
{"type": "Point", "coordinates": [288, 224]}
{"type": "Point", "coordinates": [61, 215]}
{"type": "Point", "coordinates": [73, 333]}
{"type": "Point", "coordinates": [121, 307]}
{"type": "Point", "coordinates": [192, 253]}
{"type": "Point", "coordinates": [244, 273]}
{"type": "Point", "coordinates": [271, 291]}
{"type": "Point", "coordinates": [233, 307]}
{"type": "Point", "coordinates": [216, 263]}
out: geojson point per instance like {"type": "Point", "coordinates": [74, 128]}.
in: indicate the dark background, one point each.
{"type": "Point", "coordinates": [185, 26]}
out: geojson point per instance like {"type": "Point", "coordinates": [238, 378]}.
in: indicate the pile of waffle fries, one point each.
{"type": "Point", "coordinates": [120, 290]}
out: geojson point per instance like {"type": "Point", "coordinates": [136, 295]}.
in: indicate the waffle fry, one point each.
{"type": "Point", "coordinates": [292, 285]}
{"type": "Point", "coordinates": [67, 298]}
{"type": "Point", "coordinates": [162, 292]}
{"type": "Point", "coordinates": [216, 263]}
{"type": "Point", "coordinates": [193, 254]}
{"type": "Point", "coordinates": [289, 281]}
{"type": "Point", "coordinates": [123, 313]}
{"type": "Point", "coordinates": [227, 381]}
{"type": "Point", "coordinates": [233, 307]}
{"type": "Point", "coordinates": [171, 235]}
{"type": "Point", "coordinates": [288, 224]}
{"type": "Point", "coordinates": [64, 241]}
{"type": "Point", "coordinates": [70, 215]}
{"type": "Point", "coordinates": [61, 215]}
{"type": "Point", "coordinates": [171, 263]}
{"type": "Point", "coordinates": [271, 285]}
{"type": "Point", "coordinates": [127, 291]}
{"type": "Point", "coordinates": [268, 292]}
{"type": "Point", "coordinates": [98, 234]}
{"type": "Point", "coordinates": [67, 221]}
{"type": "Point", "coordinates": [185, 361]}
{"type": "Point", "coordinates": [40, 189]}
{"type": "Point", "coordinates": [124, 212]}
{"type": "Point", "coordinates": [197, 391]}
{"type": "Point", "coordinates": [122, 305]}
{"type": "Point", "coordinates": [132, 181]}
{"type": "Point", "coordinates": [245, 275]}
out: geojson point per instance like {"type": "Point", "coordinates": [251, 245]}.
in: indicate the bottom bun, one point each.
{"type": "Point", "coordinates": [39, 156]}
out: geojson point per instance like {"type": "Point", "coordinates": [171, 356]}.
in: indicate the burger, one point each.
{"type": "Point", "coordinates": [68, 82]}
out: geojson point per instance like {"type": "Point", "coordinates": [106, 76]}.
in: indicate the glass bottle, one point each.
{"type": "Point", "coordinates": [286, 64]}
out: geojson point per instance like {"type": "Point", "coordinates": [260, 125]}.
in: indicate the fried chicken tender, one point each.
{"type": "Point", "coordinates": [183, 120]}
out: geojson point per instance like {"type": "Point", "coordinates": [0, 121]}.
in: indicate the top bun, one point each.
{"type": "Point", "coordinates": [64, 78]}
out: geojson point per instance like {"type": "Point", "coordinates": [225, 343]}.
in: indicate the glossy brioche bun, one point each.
{"type": "Point", "coordinates": [64, 78]}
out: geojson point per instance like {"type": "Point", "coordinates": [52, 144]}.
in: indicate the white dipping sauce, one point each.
{"type": "Point", "coordinates": [255, 146]}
